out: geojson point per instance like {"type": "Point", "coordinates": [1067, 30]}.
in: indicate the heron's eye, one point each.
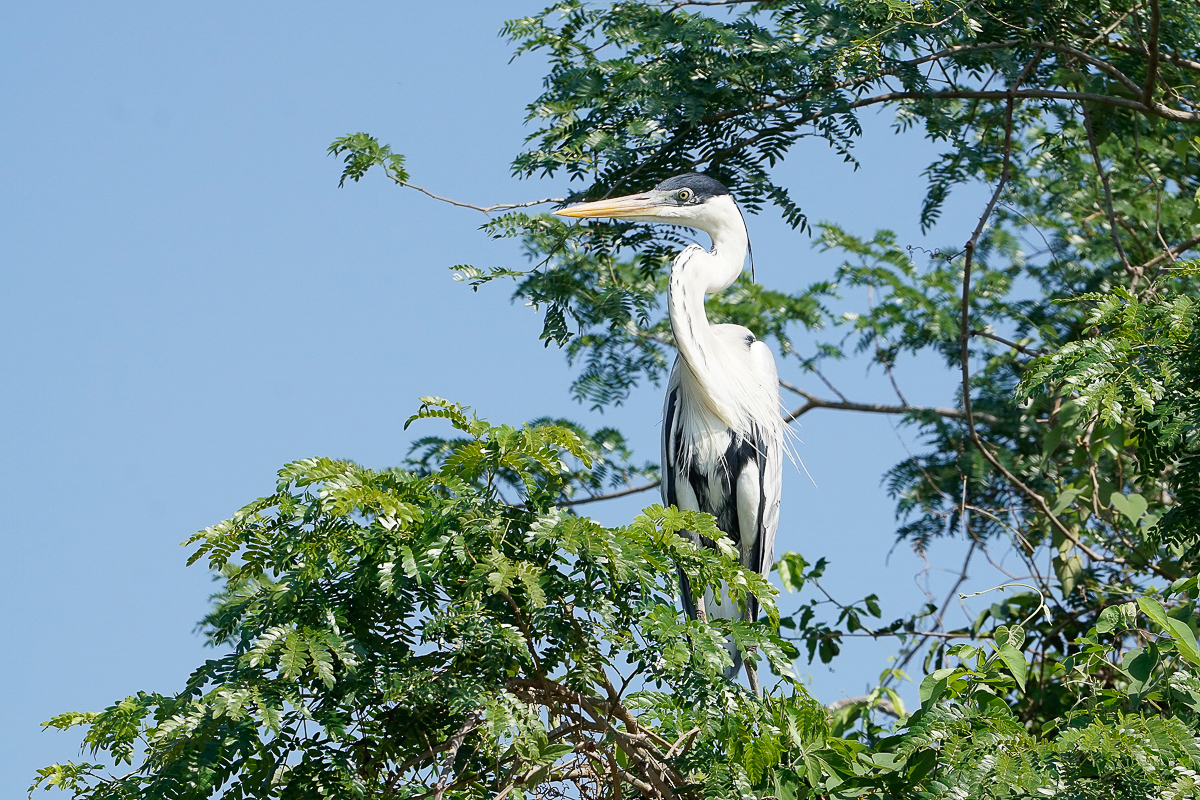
{"type": "Point", "coordinates": [684, 195]}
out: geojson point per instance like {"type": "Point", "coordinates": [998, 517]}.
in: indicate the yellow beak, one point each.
{"type": "Point", "coordinates": [631, 205]}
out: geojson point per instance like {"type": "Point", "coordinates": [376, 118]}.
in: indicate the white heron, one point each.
{"type": "Point", "coordinates": [722, 434]}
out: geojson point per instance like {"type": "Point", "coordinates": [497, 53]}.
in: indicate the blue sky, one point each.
{"type": "Point", "coordinates": [188, 302]}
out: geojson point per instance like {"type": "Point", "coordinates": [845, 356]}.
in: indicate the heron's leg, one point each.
{"type": "Point", "coordinates": [749, 615]}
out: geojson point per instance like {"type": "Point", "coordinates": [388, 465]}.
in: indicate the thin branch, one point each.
{"type": "Point", "coordinates": [1038, 500]}
{"type": "Point", "coordinates": [1175, 251]}
{"type": "Point", "coordinates": [925, 636]}
{"type": "Point", "coordinates": [876, 408]}
{"type": "Point", "coordinates": [1108, 200]}
{"type": "Point", "coordinates": [1154, 109]}
{"type": "Point", "coordinates": [1104, 33]}
{"type": "Point", "coordinates": [486, 210]}
{"type": "Point", "coordinates": [915, 62]}
{"type": "Point", "coordinates": [1019, 348]}
{"type": "Point", "coordinates": [645, 487]}
{"type": "Point", "coordinates": [1178, 61]}
{"type": "Point", "coordinates": [702, 3]}
{"type": "Point", "coordinates": [1098, 63]}
{"type": "Point", "coordinates": [527, 633]}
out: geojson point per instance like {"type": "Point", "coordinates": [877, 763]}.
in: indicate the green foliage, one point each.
{"type": "Point", "coordinates": [1139, 372]}
{"type": "Point", "coordinates": [366, 615]}
{"type": "Point", "coordinates": [363, 152]}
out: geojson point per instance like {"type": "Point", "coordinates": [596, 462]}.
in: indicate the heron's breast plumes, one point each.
{"type": "Point", "coordinates": [740, 403]}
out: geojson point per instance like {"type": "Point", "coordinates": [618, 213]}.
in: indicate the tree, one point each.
{"type": "Point", "coordinates": [451, 628]}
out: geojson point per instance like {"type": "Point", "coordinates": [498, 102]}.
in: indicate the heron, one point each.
{"type": "Point", "coordinates": [722, 430]}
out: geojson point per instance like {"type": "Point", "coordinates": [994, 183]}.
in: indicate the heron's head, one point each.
{"type": "Point", "coordinates": [694, 200]}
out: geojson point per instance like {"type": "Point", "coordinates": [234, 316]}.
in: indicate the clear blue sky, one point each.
{"type": "Point", "coordinates": [188, 301]}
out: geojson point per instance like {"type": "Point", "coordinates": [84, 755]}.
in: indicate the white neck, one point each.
{"type": "Point", "coordinates": [694, 275]}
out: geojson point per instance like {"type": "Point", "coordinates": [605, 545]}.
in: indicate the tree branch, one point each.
{"type": "Point", "coordinates": [1175, 251]}
{"type": "Point", "coordinates": [969, 249]}
{"type": "Point", "coordinates": [1152, 53]}
{"type": "Point", "coordinates": [1154, 109]}
{"type": "Point", "coordinates": [1019, 348]}
{"type": "Point", "coordinates": [486, 210]}
{"type": "Point", "coordinates": [1178, 61]}
{"type": "Point", "coordinates": [456, 741]}
{"type": "Point", "coordinates": [875, 408]}
{"type": "Point", "coordinates": [645, 487]}
{"type": "Point", "coordinates": [1134, 274]}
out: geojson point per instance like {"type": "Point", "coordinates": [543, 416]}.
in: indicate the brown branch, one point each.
{"type": "Point", "coordinates": [876, 408]}
{"type": "Point", "coordinates": [1104, 33]}
{"type": "Point", "coordinates": [634, 741]}
{"type": "Point", "coordinates": [645, 487]}
{"type": "Point", "coordinates": [924, 637]}
{"type": "Point", "coordinates": [1133, 273]}
{"type": "Point", "coordinates": [622, 713]}
{"type": "Point", "coordinates": [487, 210]}
{"type": "Point", "coordinates": [1152, 53]}
{"type": "Point", "coordinates": [1173, 252]}
{"type": "Point", "coordinates": [456, 741]}
{"type": "Point", "coordinates": [525, 631]}
{"type": "Point", "coordinates": [915, 62]}
{"type": "Point", "coordinates": [1018, 347]}
{"type": "Point", "coordinates": [430, 753]}
{"type": "Point", "coordinates": [702, 3]}
{"type": "Point", "coordinates": [1178, 61]}
{"type": "Point", "coordinates": [1154, 109]}
{"type": "Point", "coordinates": [1098, 63]}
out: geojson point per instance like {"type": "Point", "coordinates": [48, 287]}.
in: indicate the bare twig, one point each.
{"type": "Point", "coordinates": [487, 210]}
{"type": "Point", "coordinates": [1019, 348]}
{"type": "Point", "coordinates": [1173, 252]}
{"type": "Point", "coordinates": [877, 408]}
{"type": "Point", "coordinates": [927, 635]}
{"type": "Point", "coordinates": [1132, 271]}
{"type": "Point", "coordinates": [1178, 61]}
{"type": "Point", "coordinates": [645, 487]}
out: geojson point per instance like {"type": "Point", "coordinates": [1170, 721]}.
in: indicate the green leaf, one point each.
{"type": "Point", "coordinates": [1111, 618]}
{"type": "Point", "coordinates": [921, 764]}
{"type": "Point", "coordinates": [1068, 570]}
{"type": "Point", "coordinates": [934, 686]}
{"type": "Point", "coordinates": [1067, 498]}
{"type": "Point", "coordinates": [1132, 506]}
{"type": "Point", "coordinates": [791, 568]}
{"type": "Point", "coordinates": [1185, 640]}
{"type": "Point", "coordinates": [1008, 640]}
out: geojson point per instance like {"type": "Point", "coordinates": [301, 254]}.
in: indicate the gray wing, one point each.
{"type": "Point", "coordinates": [675, 489]}
{"type": "Point", "coordinates": [671, 444]}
